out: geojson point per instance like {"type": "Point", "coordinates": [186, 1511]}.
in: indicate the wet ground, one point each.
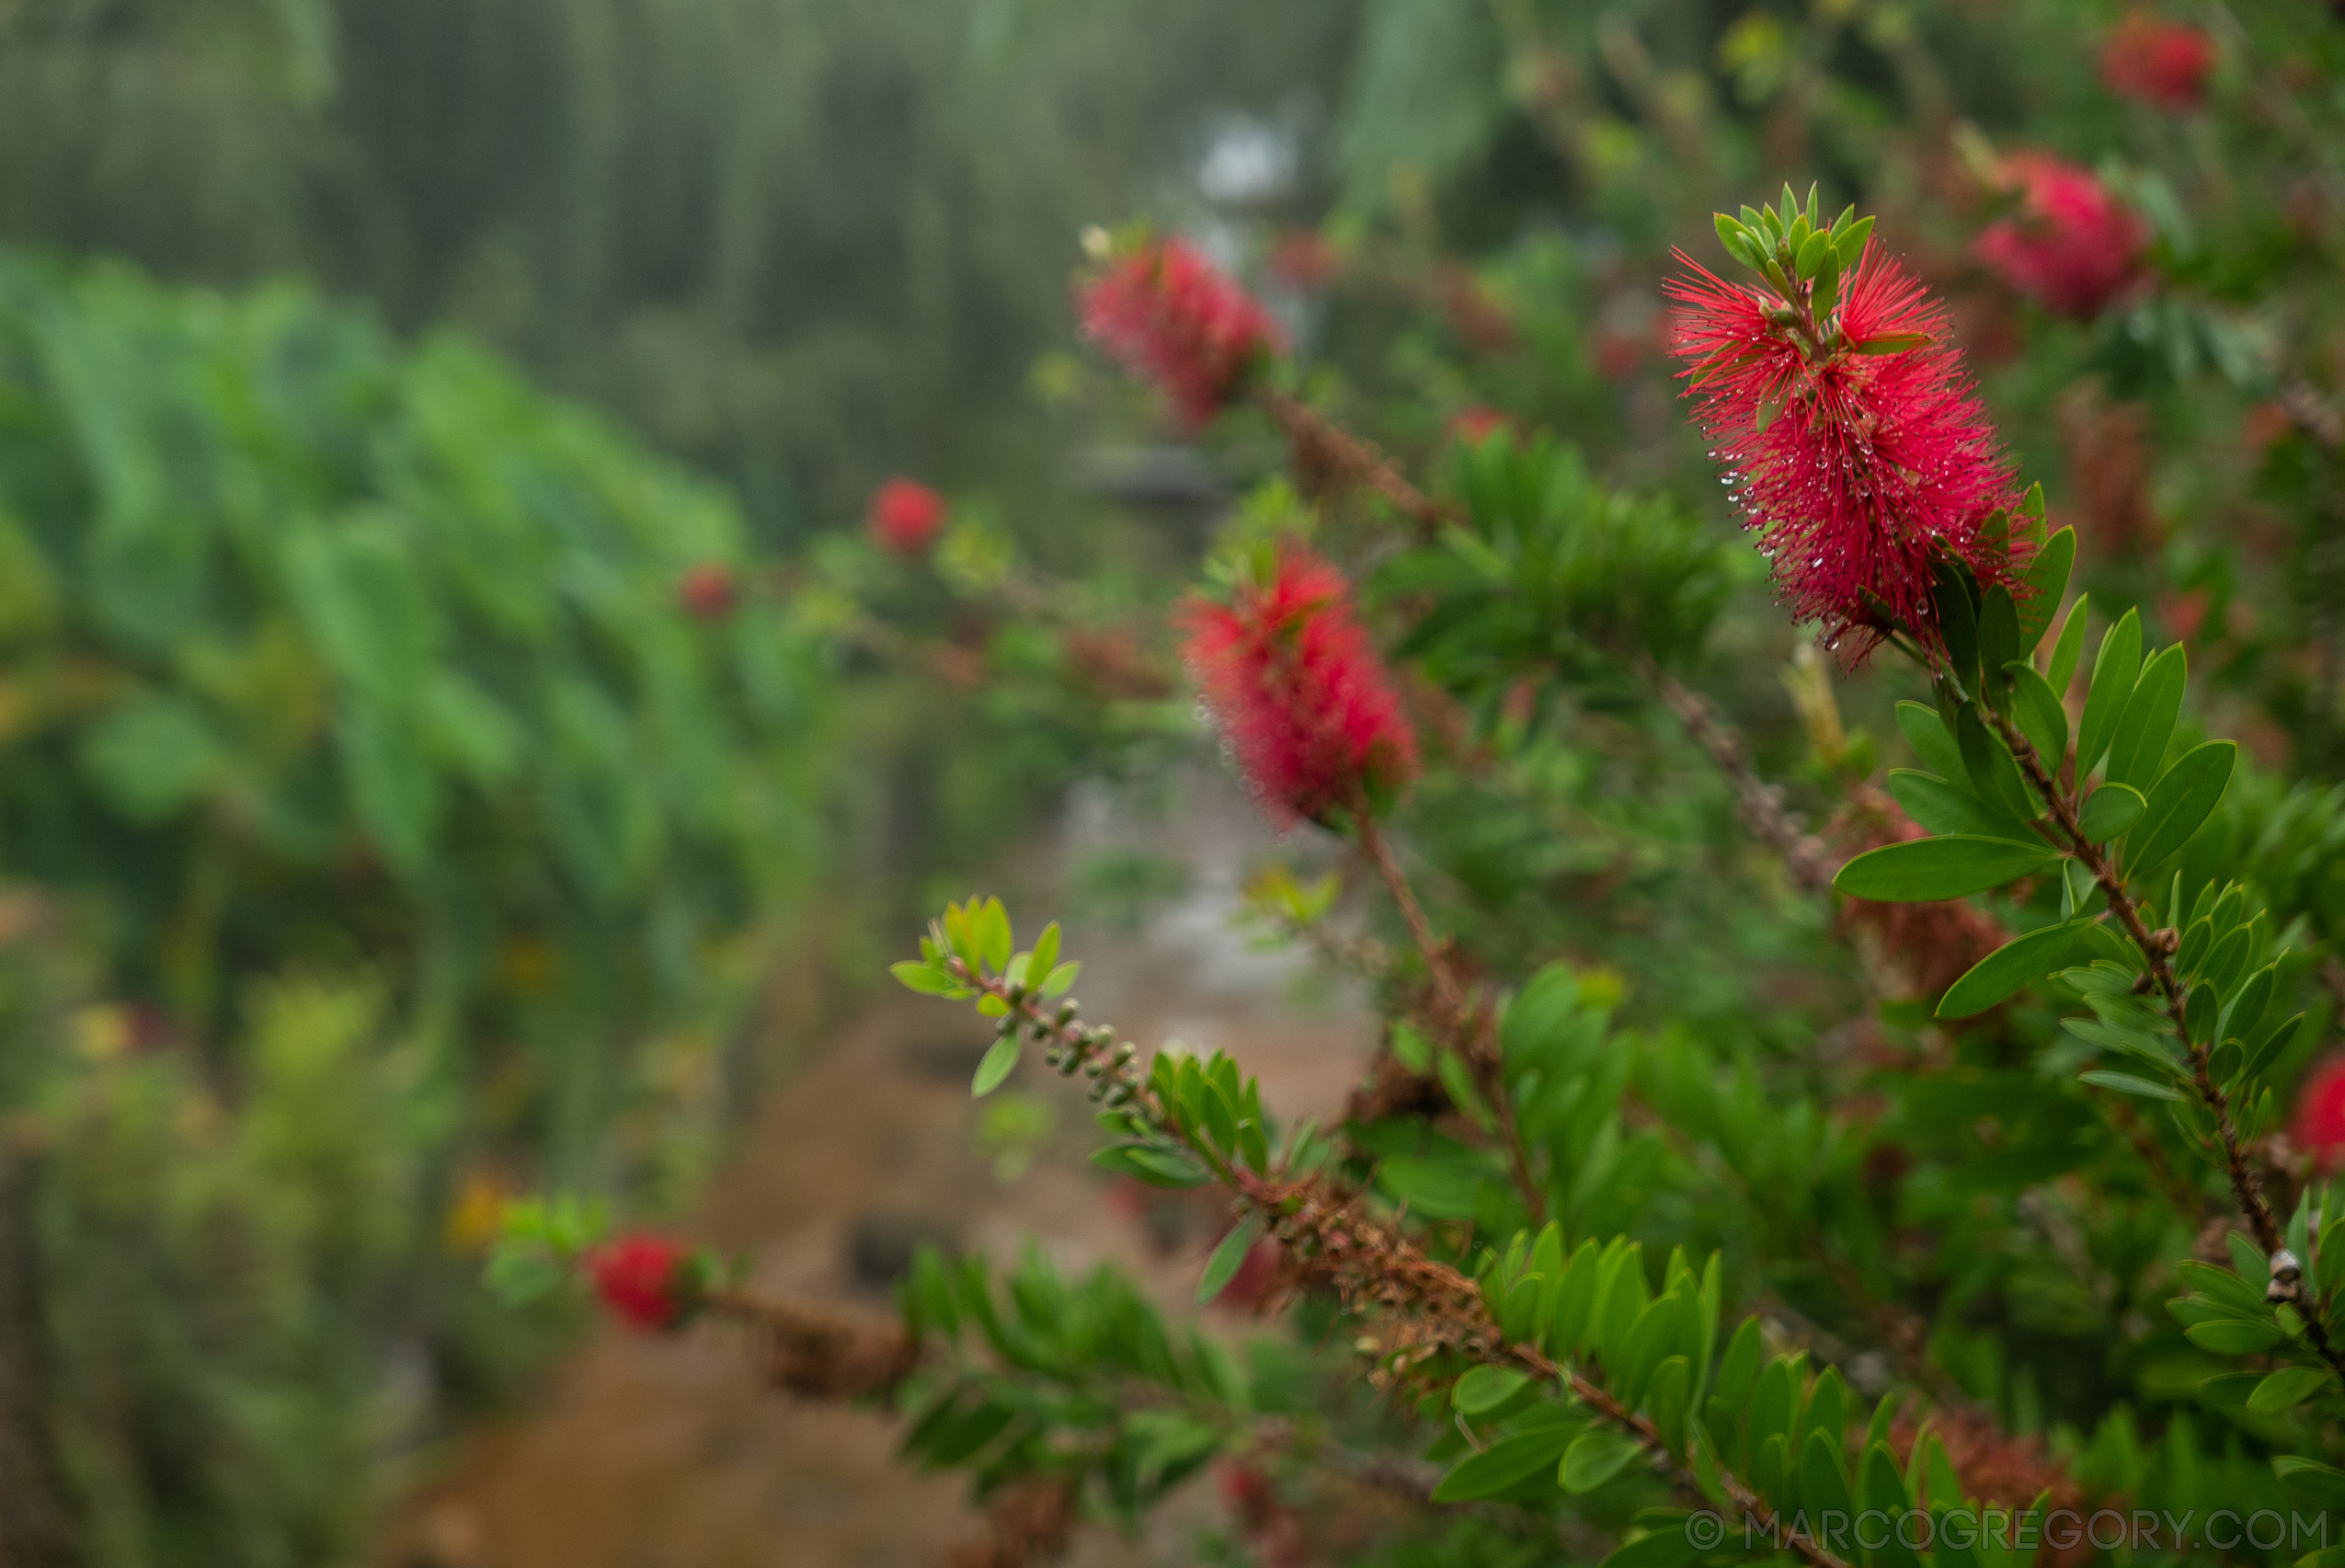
{"type": "Point", "coordinates": [659, 1453]}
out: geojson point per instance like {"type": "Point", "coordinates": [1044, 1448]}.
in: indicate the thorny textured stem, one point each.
{"type": "Point", "coordinates": [2158, 954]}
{"type": "Point", "coordinates": [1326, 450]}
{"type": "Point", "coordinates": [1807, 857]}
{"type": "Point", "coordinates": [1465, 1019]}
{"type": "Point", "coordinates": [1370, 1267]}
{"type": "Point", "coordinates": [1437, 1310]}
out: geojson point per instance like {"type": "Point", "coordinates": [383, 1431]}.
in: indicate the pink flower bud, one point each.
{"type": "Point", "coordinates": [1173, 316]}
{"type": "Point", "coordinates": [905, 517]}
{"type": "Point", "coordinates": [641, 1278]}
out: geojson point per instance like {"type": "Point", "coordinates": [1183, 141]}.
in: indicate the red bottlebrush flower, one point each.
{"type": "Point", "coordinates": [1476, 425]}
{"type": "Point", "coordinates": [905, 517]}
{"type": "Point", "coordinates": [2072, 246]}
{"type": "Point", "coordinates": [1300, 691]}
{"type": "Point", "coordinates": [1306, 260]}
{"type": "Point", "coordinates": [1860, 470]}
{"type": "Point", "coordinates": [2319, 1127]}
{"type": "Point", "coordinates": [1172, 315]}
{"type": "Point", "coordinates": [708, 591]}
{"type": "Point", "coordinates": [641, 1278]}
{"type": "Point", "coordinates": [2165, 64]}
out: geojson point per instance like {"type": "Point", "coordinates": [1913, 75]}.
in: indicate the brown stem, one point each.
{"type": "Point", "coordinates": [1465, 1020]}
{"type": "Point", "coordinates": [1372, 1267]}
{"type": "Point", "coordinates": [1806, 856]}
{"type": "Point", "coordinates": [2155, 956]}
{"type": "Point", "coordinates": [1327, 450]}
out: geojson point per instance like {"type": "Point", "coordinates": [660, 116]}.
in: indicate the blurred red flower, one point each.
{"type": "Point", "coordinates": [1306, 259]}
{"type": "Point", "coordinates": [640, 1278]}
{"type": "Point", "coordinates": [2319, 1125]}
{"type": "Point", "coordinates": [1298, 690]}
{"type": "Point", "coordinates": [708, 591]}
{"type": "Point", "coordinates": [1172, 315]}
{"type": "Point", "coordinates": [1860, 470]}
{"type": "Point", "coordinates": [2165, 64]}
{"type": "Point", "coordinates": [1477, 424]}
{"type": "Point", "coordinates": [2072, 246]}
{"type": "Point", "coordinates": [905, 517]}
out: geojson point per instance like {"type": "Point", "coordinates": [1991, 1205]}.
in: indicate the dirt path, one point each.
{"type": "Point", "coordinates": [650, 1453]}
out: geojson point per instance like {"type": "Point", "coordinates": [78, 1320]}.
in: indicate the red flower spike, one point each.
{"type": "Point", "coordinates": [640, 1277]}
{"type": "Point", "coordinates": [2162, 63]}
{"type": "Point", "coordinates": [1172, 315]}
{"type": "Point", "coordinates": [1300, 691]}
{"type": "Point", "coordinates": [2319, 1125]}
{"type": "Point", "coordinates": [708, 591]}
{"type": "Point", "coordinates": [2072, 246]}
{"type": "Point", "coordinates": [905, 517]}
{"type": "Point", "coordinates": [1861, 471]}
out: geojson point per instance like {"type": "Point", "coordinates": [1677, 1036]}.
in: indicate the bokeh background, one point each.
{"type": "Point", "coordinates": [457, 738]}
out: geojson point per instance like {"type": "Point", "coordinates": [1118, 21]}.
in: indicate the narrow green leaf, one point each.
{"type": "Point", "coordinates": [2046, 579]}
{"type": "Point", "coordinates": [919, 977]}
{"type": "Point", "coordinates": [1485, 1388]}
{"type": "Point", "coordinates": [1951, 867]}
{"type": "Point", "coordinates": [994, 1067]}
{"type": "Point", "coordinates": [1993, 771]}
{"type": "Point", "coordinates": [2066, 650]}
{"type": "Point", "coordinates": [1045, 951]}
{"type": "Point", "coordinates": [2110, 810]}
{"type": "Point", "coordinates": [2236, 1336]}
{"type": "Point", "coordinates": [2112, 688]}
{"type": "Point", "coordinates": [1998, 637]}
{"type": "Point", "coordinates": [1505, 1465]}
{"type": "Point", "coordinates": [1957, 625]}
{"type": "Point", "coordinates": [1060, 976]}
{"type": "Point", "coordinates": [994, 936]}
{"type": "Point", "coordinates": [2042, 718]}
{"type": "Point", "coordinates": [2287, 1388]}
{"type": "Point", "coordinates": [1667, 1545]}
{"type": "Point", "coordinates": [2178, 802]}
{"type": "Point", "coordinates": [2138, 745]}
{"type": "Point", "coordinates": [2311, 1481]}
{"type": "Point", "coordinates": [1229, 1257]}
{"type": "Point", "coordinates": [1932, 741]}
{"type": "Point", "coordinates": [1594, 1457]}
{"type": "Point", "coordinates": [1852, 246]}
{"type": "Point", "coordinates": [1947, 807]}
{"type": "Point", "coordinates": [2021, 962]}
{"type": "Point", "coordinates": [2126, 1083]}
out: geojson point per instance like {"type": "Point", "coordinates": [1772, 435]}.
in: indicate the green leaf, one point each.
{"type": "Point", "coordinates": [1485, 1388]}
{"type": "Point", "coordinates": [1948, 808]}
{"type": "Point", "coordinates": [2287, 1388]}
{"type": "Point", "coordinates": [1145, 1163]}
{"type": "Point", "coordinates": [995, 1066]}
{"type": "Point", "coordinates": [1958, 624]}
{"type": "Point", "coordinates": [2178, 802]}
{"type": "Point", "coordinates": [1738, 1369]}
{"type": "Point", "coordinates": [1931, 741]}
{"type": "Point", "coordinates": [1884, 1491]}
{"type": "Point", "coordinates": [1223, 1265]}
{"type": "Point", "coordinates": [1998, 637]}
{"type": "Point", "coordinates": [1821, 1486]}
{"type": "Point", "coordinates": [2138, 745]}
{"type": "Point", "coordinates": [1594, 1457]}
{"type": "Point", "coordinates": [2021, 962]}
{"type": "Point", "coordinates": [1060, 976]}
{"type": "Point", "coordinates": [2064, 651]}
{"type": "Point", "coordinates": [2236, 1336]}
{"type": "Point", "coordinates": [2311, 1481]}
{"type": "Point", "coordinates": [2126, 1083]}
{"type": "Point", "coordinates": [994, 938]}
{"type": "Point", "coordinates": [2110, 810]}
{"type": "Point", "coordinates": [2112, 689]}
{"type": "Point", "coordinates": [1045, 951]}
{"type": "Point", "coordinates": [1992, 770]}
{"type": "Point", "coordinates": [2046, 579]}
{"type": "Point", "coordinates": [1852, 246]}
{"type": "Point", "coordinates": [1949, 867]}
{"type": "Point", "coordinates": [1574, 1302]}
{"type": "Point", "coordinates": [1505, 1465]}
{"type": "Point", "coordinates": [1667, 1545]}
{"type": "Point", "coordinates": [917, 976]}
{"type": "Point", "coordinates": [2042, 718]}
{"type": "Point", "coordinates": [1812, 252]}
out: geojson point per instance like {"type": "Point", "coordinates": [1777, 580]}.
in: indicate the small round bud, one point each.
{"type": "Point", "coordinates": [1095, 1067]}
